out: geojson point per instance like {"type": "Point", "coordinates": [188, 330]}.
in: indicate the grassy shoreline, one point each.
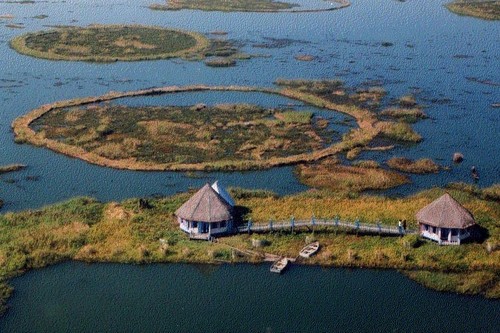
{"type": "Point", "coordinates": [86, 230]}
{"type": "Point", "coordinates": [305, 91]}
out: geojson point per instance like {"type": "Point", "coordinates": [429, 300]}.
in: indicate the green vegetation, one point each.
{"type": "Point", "coordinates": [399, 132]}
{"type": "Point", "coordinates": [331, 175]}
{"type": "Point", "coordinates": [225, 6]}
{"type": "Point", "coordinates": [104, 43]}
{"type": "Point", "coordinates": [115, 143]}
{"type": "Point", "coordinates": [484, 9]}
{"type": "Point", "coordinates": [220, 62]}
{"type": "Point", "coordinates": [409, 115]}
{"type": "Point", "coordinates": [293, 117]}
{"type": "Point", "coordinates": [421, 166]}
{"type": "Point", "coordinates": [268, 6]}
{"type": "Point", "coordinates": [84, 229]}
{"type": "Point", "coordinates": [191, 134]}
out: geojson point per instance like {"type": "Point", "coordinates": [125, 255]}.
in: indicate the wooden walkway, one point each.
{"type": "Point", "coordinates": [357, 226]}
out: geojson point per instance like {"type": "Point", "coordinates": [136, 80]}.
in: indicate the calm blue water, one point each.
{"type": "Point", "coordinates": [76, 297]}
{"type": "Point", "coordinates": [434, 53]}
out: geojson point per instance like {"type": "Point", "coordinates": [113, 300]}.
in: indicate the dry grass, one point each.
{"type": "Point", "coordinates": [83, 229]}
{"type": "Point", "coordinates": [105, 43]}
{"type": "Point", "coordinates": [487, 10]}
{"type": "Point", "coordinates": [331, 175]}
{"type": "Point", "coordinates": [323, 94]}
{"type": "Point", "coordinates": [266, 6]}
{"type": "Point", "coordinates": [410, 115]}
{"type": "Point", "coordinates": [421, 166]}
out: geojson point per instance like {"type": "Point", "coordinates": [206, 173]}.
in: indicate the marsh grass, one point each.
{"type": "Point", "coordinates": [421, 166]}
{"type": "Point", "coordinates": [269, 6]}
{"type": "Point", "coordinates": [220, 62]}
{"type": "Point", "coordinates": [105, 43]}
{"type": "Point", "coordinates": [487, 10]}
{"type": "Point", "coordinates": [184, 134]}
{"type": "Point", "coordinates": [399, 131]}
{"type": "Point", "coordinates": [331, 175]}
{"type": "Point", "coordinates": [222, 5]}
{"type": "Point", "coordinates": [409, 115]}
{"type": "Point", "coordinates": [87, 230]}
{"type": "Point", "coordinates": [328, 94]}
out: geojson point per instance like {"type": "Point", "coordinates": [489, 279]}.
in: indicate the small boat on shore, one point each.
{"type": "Point", "coordinates": [309, 250]}
{"type": "Point", "coordinates": [279, 265]}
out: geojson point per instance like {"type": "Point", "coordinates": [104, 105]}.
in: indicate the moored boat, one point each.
{"type": "Point", "coordinates": [309, 250]}
{"type": "Point", "coordinates": [279, 265]}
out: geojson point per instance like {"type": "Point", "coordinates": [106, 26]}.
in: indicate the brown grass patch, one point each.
{"type": "Point", "coordinates": [421, 166]}
{"type": "Point", "coordinates": [342, 178]}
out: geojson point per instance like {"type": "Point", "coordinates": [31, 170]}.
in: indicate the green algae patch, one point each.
{"type": "Point", "coordinates": [487, 10]}
{"type": "Point", "coordinates": [106, 43]}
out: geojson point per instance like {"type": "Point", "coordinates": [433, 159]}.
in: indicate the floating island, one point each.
{"type": "Point", "coordinates": [268, 6]}
{"type": "Point", "coordinates": [214, 137]}
{"type": "Point", "coordinates": [484, 9]}
{"type": "Point", "coordinates": [109, 43]}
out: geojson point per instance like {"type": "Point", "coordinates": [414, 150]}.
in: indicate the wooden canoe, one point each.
{"type": "Point", "coordinates": [279, 265]}
{"type": "Point", "coordinates": [309, 250]}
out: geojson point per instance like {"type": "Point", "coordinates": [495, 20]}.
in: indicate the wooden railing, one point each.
{"type": "Point", "coordinates": [376, 228]}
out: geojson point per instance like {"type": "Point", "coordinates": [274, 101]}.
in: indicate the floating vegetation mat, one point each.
{"type": "Point", "coordinates": [488, 10]}
{"type": "Point", "coordinates": [243, 5]}
{"type": "Point", "coordinates": [105, 43]}
{"type": "Point", "coordinates": [211, 137]}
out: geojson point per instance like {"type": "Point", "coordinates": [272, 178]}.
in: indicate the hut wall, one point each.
{"type": "Point", "coordinates": [444, 236]}
{"type": "Point", "coordinates": [194, 227]}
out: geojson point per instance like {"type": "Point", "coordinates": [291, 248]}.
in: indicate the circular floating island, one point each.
{"type": "Point", "coordinates": [106, 43]}
{"type": "Point", "coordinates": [208, 137]}
{"type": "Point", "coordinates": [266, 6]}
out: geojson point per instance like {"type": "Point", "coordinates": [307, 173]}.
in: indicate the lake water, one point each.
{"type": "Point", "coordinates": [437, 55]}
{"type": "Point", "coordinates": [76, 297]}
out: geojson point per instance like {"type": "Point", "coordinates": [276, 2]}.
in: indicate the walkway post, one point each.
{"type": "Point", "coordinates": [270, 224]}
{"type": "Point", "coordinates": [336, 219]}
{"type": "Point", "coordinates": [313, 222]}
{"type": "Point", "coordinates": [292, 223]}
{"type": "Point", "coordinates": [249, 225]}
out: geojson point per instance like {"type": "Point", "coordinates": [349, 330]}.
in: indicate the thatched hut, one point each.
{"type": "Point", "coordinates": [445, 221]}
{"type": "Point", "coordinates": [205, 214]}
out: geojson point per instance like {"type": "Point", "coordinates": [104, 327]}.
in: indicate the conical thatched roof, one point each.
{"type": "Point", "coordinates": [223, 193]}
{"type": "Point", "coordinates": [206, 205]}
{"type": "Point", "coordinates": [445, 212]}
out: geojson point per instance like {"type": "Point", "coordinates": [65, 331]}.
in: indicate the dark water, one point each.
{"type": "Point", "coordinates": [435, 54]}
{"type": "Point", "coordinates": [76, 297]}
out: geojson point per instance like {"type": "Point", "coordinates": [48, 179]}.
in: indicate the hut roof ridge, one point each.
{"type": "Point", "coordinates": [445, 212]}
{"type": "Point", "coordinates": [206, 205]}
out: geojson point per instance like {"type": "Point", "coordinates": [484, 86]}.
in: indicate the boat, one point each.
{"type": "Point", "coordinates": [279, 265]}
{"type": "Point", "coordinates": [309, 250]}
{"type": "Point", "coordinates": [475, 174]}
